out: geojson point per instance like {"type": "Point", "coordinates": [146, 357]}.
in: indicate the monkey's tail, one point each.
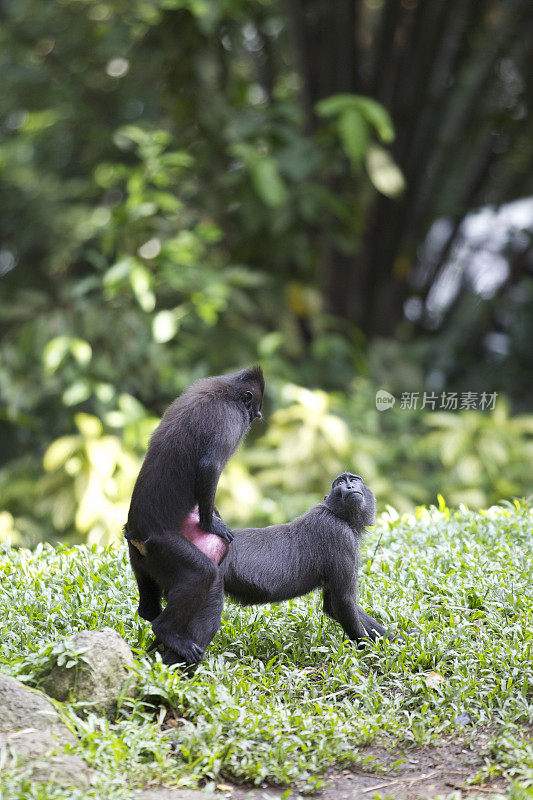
{"type": "Point", "coordinates": [137, 543]}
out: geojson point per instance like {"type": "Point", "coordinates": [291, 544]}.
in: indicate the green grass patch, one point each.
{"type": "Point", "coordinates": [282, 695]}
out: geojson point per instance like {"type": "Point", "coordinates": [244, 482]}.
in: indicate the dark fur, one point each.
{"type": "Point", "coordinates": [320, 549]}
{"type": "Point", "coordinates": [187, 452]}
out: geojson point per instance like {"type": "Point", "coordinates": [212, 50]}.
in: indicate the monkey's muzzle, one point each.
{"type": "Point", "coordinates": [351, 496]}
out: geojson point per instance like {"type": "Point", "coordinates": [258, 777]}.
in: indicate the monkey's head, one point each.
{"type": "Point", "coordinates": [249, 385]}
{"type": "Point", "coordinates": [352, 501]}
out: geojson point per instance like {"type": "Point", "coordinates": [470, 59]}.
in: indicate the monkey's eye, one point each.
{"type": "Point", "coordinates": [248, 397]}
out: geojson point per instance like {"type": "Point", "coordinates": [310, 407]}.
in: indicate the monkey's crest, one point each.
{"type": "Point", "coordinates": [253, 375]}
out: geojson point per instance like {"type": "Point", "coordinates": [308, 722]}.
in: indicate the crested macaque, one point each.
{"type": "Point", "coordinates": [178, 479]}
{"type": "Point", "coordinates": [320, 549]}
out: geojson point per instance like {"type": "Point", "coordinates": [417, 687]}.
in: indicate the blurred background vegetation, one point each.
{"type": "Point", "coordinates": [341, 191]}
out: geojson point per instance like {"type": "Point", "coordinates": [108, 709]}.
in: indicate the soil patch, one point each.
{"type": "Point", "coordinates": [408, 774]}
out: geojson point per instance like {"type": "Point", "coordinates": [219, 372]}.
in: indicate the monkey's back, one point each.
{"type": "Point", "coordinates": [289, 556]}
{"type": "Point", "coordinates": [196, 426]}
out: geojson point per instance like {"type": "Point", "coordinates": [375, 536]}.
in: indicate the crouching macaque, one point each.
{"type": "Point", "coordinates": [320, 549]}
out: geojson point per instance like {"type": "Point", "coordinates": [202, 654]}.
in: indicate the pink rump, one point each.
{"type": "Point", "coordinates": [209, 543]}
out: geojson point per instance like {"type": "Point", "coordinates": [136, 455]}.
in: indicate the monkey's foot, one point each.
{"type": "Point", "coordinates": [178, 648]}
{"type": "Point", "coordinates": [221, 529]}
{"type": "Point", "coordinates": [189, 654]}
{"type": "Point", "coordinates": [170, 658]}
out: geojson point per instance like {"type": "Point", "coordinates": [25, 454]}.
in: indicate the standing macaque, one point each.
{"type": "Point", "coordinates": [187, 452]}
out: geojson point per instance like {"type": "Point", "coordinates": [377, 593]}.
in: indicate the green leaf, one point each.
{"type": "Point", "coordinates": [336, 104]}
{"type": "Point", "coordinates": [141, 283]}
{"type": "Point", "coordinates": [164, 326]}
{"type": "Point", "coordinates": [81, 350]}
{"type": "Point", "coordinates": [378, 117]}
{"type": "Point", "coordinates": [268, 182]}
{"type": "Point", "coordinates": [90, 503]}
{"type": "Point", "coordinates": [354, 134]}
{"type": "Point", "coordinates": [384, 172]}
{"type": "Point", "coordinates": [90, 427]}
{"type": "Point", "coordinates": [264, 172]}
{"type": "Point", "coordinates": [119, 272]}
{"type": "Point", "coordinates": [76, 393]}
{"type": "Point", "coordinates": [103, 455]}
{"type": "Point", "coordinates": [59, 452]}
{"type": "Point", "coordinates": [184, 248]}
{"type": "Point", "coordinates": [37, 121]}
{"type": "Point", "coordinates": [55, 351]}
{"type": "Point", "coordinates": [374, 113]}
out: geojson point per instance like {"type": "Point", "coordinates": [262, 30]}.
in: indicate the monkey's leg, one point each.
{"type": "Point", "coordinates": [205, 623]}
{"type": "Point", "coordinates": [326, 604]}
{"type": "Point", "coordinates": [149, 591]}
{"type": "Point", "coordinates": [171, 626]}
{"type": "Point", "coordinates": [186, 575]}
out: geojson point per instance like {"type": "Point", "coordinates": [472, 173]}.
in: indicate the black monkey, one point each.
{"type": "Point", "coordinates": [188, 450]}
{"type": "Point", "coordinates": [320, 549]}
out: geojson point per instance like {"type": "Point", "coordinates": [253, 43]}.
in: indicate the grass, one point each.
{"type": "Point", "coordinates": [281, 695]}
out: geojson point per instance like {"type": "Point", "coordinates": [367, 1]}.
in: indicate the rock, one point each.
{"type": "Point", "coordinates": [101, 675]}
{"type": "Point", "coordinates": [32, 736]}
{"type": "Point", "coordinates": [42, 753]}
{"type": "Point", "coordinates": [22, 708]}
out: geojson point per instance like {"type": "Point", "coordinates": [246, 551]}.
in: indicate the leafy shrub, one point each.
{"type": "Point", "coordinates": [469, 457]}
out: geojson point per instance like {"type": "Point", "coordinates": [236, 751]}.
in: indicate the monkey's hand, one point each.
{"type": "Point", "coordinates": [221, 529]}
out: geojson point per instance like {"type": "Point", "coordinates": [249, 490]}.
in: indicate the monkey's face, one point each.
{"type": "Point", "coordinates": [252, 386]}
{"type": "Point", "coordinates": [252, 404]}
{"type": "Point", "coordinates": [350, 499]}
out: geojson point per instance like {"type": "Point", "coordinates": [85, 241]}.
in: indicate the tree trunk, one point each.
{"type": "Point", "coordinates": [432, 64]}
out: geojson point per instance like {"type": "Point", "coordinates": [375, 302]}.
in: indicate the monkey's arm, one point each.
{"type": "Point", "coordinates": [340, 595]}
{"type": "Point", "coordinates": [206, 487]}
{"type": "Point", "coordinates": [373, 628]}
{"type": "Point", "coordinates": [344, 609]}
{"type": "Point", "coordinates": [340, 604]}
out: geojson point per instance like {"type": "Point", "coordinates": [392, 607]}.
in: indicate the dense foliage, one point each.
{"type": "Point", "coordinates": [281, 696]}
{"type": "Point", "coordinates": [469, 456]}
{"type": "Point", "coordinates": [186, 191]}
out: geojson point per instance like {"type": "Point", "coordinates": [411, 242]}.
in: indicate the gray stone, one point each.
{"type": "Point", "coordinates": [23, 708]}
{"type": "Point", "coordinates": [40, 754]}
{"type": "Point", "coordinates": [101, 676]}
{"type": "Point", "coordinates": [32, 736]}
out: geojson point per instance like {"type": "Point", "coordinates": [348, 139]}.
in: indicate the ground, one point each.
{"type": "Point", "coordinates": [415, 774]}
{"type": "Point", "coordinates": [282, 699]}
